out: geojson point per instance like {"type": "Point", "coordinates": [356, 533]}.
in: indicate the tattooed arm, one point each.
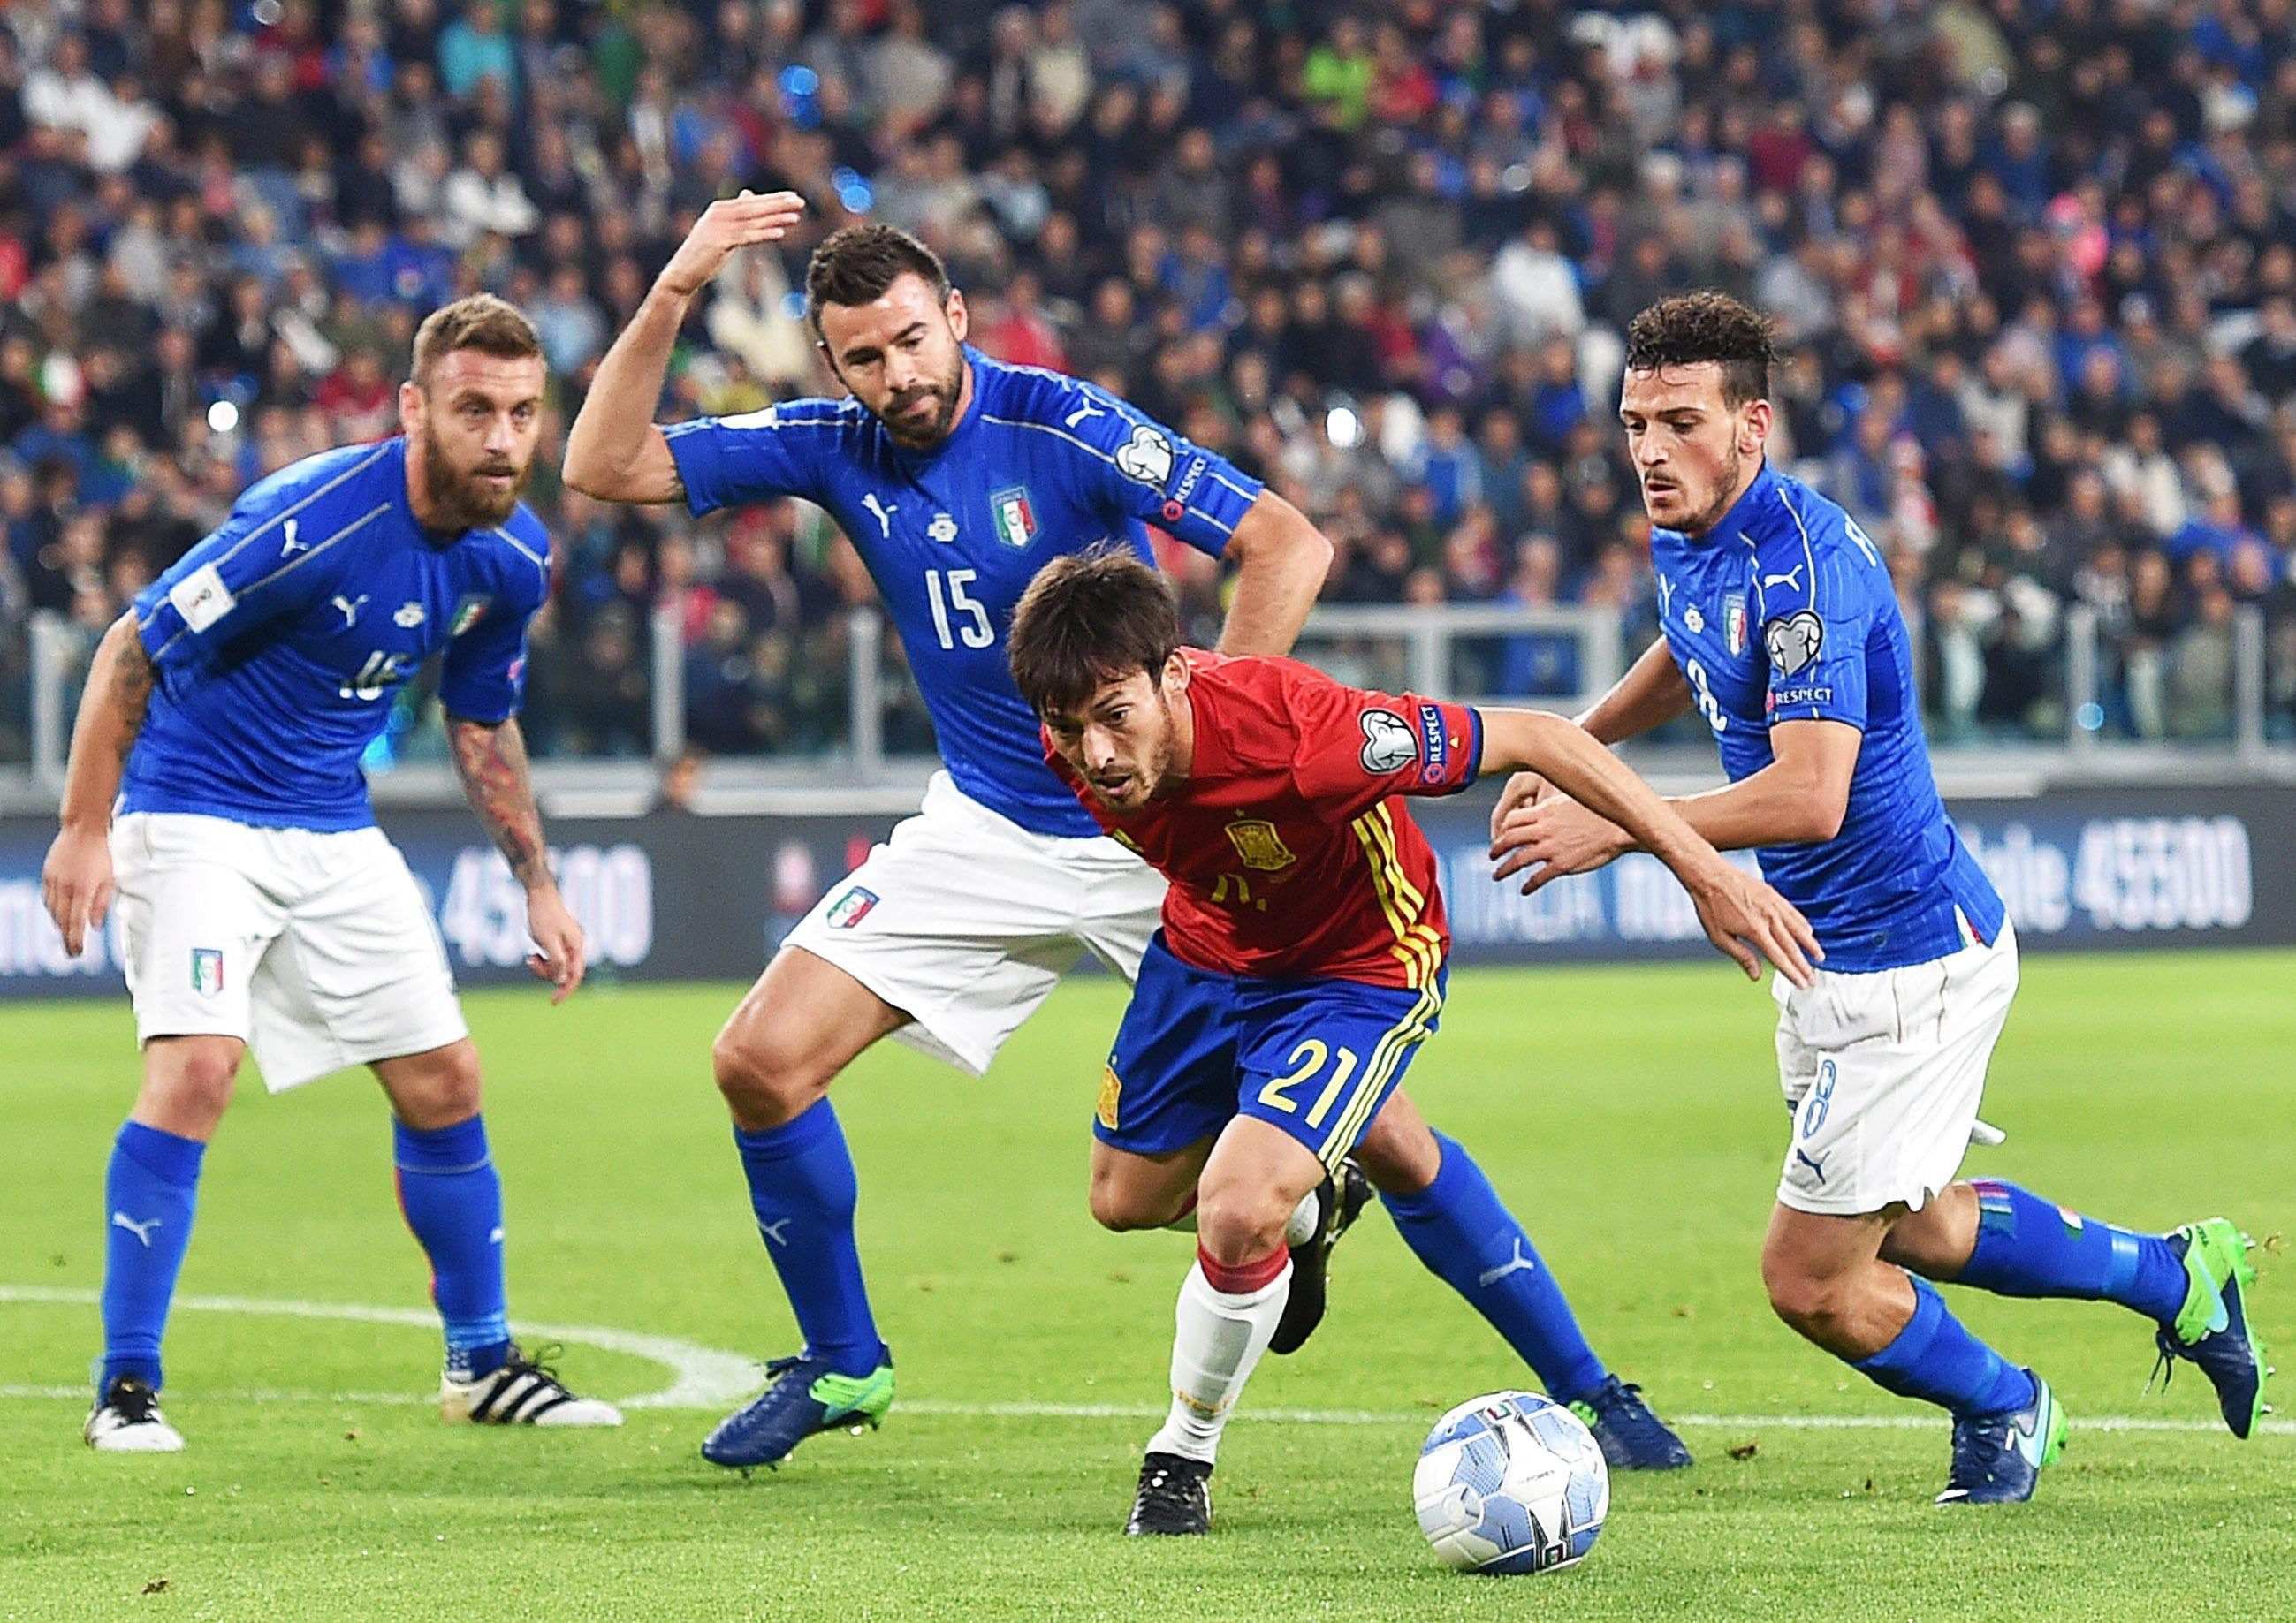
{"type": "Point", "coordinates": [490, 759]}
{"type": "Point", "coordinates": [76, 881]}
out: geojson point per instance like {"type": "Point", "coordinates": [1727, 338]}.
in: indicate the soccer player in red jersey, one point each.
{"type": "Point", "coordinates": [1300, 963]}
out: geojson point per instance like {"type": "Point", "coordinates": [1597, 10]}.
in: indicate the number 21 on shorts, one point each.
{"type": "Point", "coordinates": [1307, 1061]}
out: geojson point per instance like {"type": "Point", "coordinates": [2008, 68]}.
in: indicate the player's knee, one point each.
{"type": "Point", "coordinates": [1235, 1226]}
{"type": "Point", "coordinates": [1809, 1303]}
{"type": "Point", "coordinates": [188, 1087]}
{"type": "Point", "coordinates": [454, 1094]}
{"type": "Point", "coordinates": [1124, 1207]}
{"type": "Point", "coordinates": [765, 1076]}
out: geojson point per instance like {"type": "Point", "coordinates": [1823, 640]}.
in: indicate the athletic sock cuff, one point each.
{"type": "Point", "coordinates": [792, 1137]}
{"type": "Point", "coordinates": [170, 1157]}
{"type": "Point", "coordinates": [460, 1148]}
{"type": "Point", "coordinates": [1455, 1163]}
{"type": "Point", "coordinates": [1243, 1278]}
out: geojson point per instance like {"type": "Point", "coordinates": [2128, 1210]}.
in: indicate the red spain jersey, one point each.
{"type": "Point", "coordinates": [1290, 852]}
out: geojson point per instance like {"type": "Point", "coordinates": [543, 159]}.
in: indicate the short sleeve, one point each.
{"type": "Point", "coordinates": [726, 462]}
{"type": "Point", "coordinates": [1357, 747]}
{"type": "Point", "coordinates": [483, 675]}
{"type": "Point", "coordinates": [1815, 638]}
{"type": "Point", "coordinates": [1142, 470]}
{"type": "Point", "coordinates": [252, 570]}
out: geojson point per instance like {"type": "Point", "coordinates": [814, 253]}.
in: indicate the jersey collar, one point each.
{"type": "Point", "coordinates": [1731, 525]}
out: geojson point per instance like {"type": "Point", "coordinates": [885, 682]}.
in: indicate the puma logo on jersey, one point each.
{"type": "Point", "coordinates": [1516, 1263]}
{"type": "Point", "coordinates": [141, 1231]}
{"type": "Point", "coordinates": [290, 544]}
{"type": "Point", "coordinates": [1083, 413]}
{"type": "Point", "coordinates": [1791, 577]}
{"type": "Point", "coordinates": [881, 512]}
{"type": "Point", "coordinates": [349, 607]}
{"type": "Point", "coordinates": [773, 1231]}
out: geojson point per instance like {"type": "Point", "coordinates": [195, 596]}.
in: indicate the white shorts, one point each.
{"type": "Point", "coordinates": [1884, 1073]}
{"type": "Point", "coordinates": [964, 921]}
{"type": "Point", "coordinates": [313, 949]}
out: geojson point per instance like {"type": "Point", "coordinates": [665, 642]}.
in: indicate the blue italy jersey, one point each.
{"type": "Point", "coordinates": [1039, 466]}
{"type": "Point", "coordinates": [280, 640]}
{"type": "Point", "coordinates": [1783, 612]}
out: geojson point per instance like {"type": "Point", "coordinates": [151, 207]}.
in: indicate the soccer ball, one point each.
{"type": "Point", "coordinates": [1510, 1483]}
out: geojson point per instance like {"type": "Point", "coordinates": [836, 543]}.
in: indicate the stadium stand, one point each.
{"type": "Point", "coordinates": [2034, 267]}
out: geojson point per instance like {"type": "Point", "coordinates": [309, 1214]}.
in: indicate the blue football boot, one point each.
{"type": "Point", "coordinates": [805, 1396]}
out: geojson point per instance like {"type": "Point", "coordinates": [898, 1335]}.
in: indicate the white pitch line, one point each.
{"type": "Point", "coordinates": [1413, 1417]}
{"type": "Point", "coordinates": [707, 1377]}
{"type": "Point", "coordinates": [702, 1377]}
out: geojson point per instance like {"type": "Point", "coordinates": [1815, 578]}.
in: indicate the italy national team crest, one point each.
{"type": "Point", "coordinates": [206, 971]}
{"type": "Point", "coordinates": [1733, 623]}
{"type": "Point", "coordinates": [851, 908]}
{"type": "Point", "coordinates": [1256, 840]}
{"type": "Point", "coordinates": [1015, 518]}
{"type": "Point", "coordinates": [468, 612]}
{"type": "Point", "coordinates": [1112, 1092]}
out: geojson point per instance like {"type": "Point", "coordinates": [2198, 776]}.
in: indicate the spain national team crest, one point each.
{"type": "Point", "coordinates": [206, 971]}
{"type": "Point", "coordinates": [1111, 1091]}
{"type": "Point", "coordinates": [1015, 517]}
{"type": "Point", "coordinates": [1733, 623]}
{"type": "Point", "coordinates": [468, 612]}
{"type": "Point", "coordinates": [851, 908]}
{"type": "Point", "coordinates": [1256, 840]}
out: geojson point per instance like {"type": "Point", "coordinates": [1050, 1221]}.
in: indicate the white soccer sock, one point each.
{"type": "Point", "coordinates": [1218, 1337]}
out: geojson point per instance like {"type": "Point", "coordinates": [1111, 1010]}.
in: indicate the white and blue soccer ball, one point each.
{"type": "Point", "coordinates": [1510, 1483]}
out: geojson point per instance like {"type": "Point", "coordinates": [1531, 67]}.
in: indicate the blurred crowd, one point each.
{"type": "Point", "coordinates": [2033, 263]}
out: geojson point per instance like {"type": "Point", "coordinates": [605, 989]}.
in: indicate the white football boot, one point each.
{"type": "Point", "coordinates": [127, 1421]}
{"type": "Point", "coordinates": [523, 1392]}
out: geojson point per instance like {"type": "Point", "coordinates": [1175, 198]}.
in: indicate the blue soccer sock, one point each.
{"type": "Point", "coordinates": [1458, 1226]}
{"type": "Point", "coordinates": [2027, 1246]}
{"type": "Point", "coordinates": [1936, 1359]}
{"type": "Point", "coordinates": [148, 1192]}
{"type": "Point", "coordinates": [803, 1192]}
{"type": "Point", "coordinates": [452, 1196]}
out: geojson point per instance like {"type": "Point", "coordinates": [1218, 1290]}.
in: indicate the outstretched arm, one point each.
{"type": "Point", "coordinates": [1650, 694]}
{"type": "Point", "coordinates": [614, 451]}
{"type": "Point", "coordinates": [76, 880]}
{"type": "Point", "coordinates": [1799, 798]}
{"type": "Point", "coordinates": [1735, 908]}
{"type": "Point", "coordinates": [1281, 561]}
{"type": "Point", "coordinates": [490, 759]}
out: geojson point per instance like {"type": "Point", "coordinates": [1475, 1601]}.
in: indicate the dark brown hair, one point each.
{"type": "Point", "coordinates": [1093, 616]}
{"type": "Point", "coordinates": [482, 322]}
{"type": "Point", "coordinates": [1690, 328]}
{"type": "Point", "coordinates": [856, 264]}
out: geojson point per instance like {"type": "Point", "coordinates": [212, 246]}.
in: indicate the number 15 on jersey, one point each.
{"type": "Point", "coordinates": [950, 600]}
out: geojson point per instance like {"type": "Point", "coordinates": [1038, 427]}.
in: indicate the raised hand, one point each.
{"type": "Point", "coordinates": [730, 223]}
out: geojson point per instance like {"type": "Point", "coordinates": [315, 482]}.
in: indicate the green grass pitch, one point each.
{"type": "Point", "coordinates": [1631, 1116]}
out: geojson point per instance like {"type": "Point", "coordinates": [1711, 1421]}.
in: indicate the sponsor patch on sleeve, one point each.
{"type": "Point", "coordinates": [1390, 745]}
{"type": "Point", "coordinates": [1146, 457]}
{"type": "Point", "coordinates": [1434, 744]}
{"type": "Point", "coordinates": [1795, 641]}
{"type": "Point", "coordinates": [1801, 695]}
{"type": "Point", "coordinates": [201, 597]}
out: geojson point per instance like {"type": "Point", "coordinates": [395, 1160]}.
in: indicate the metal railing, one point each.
{"type": "Point", "coordinates": [1469, 651]}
